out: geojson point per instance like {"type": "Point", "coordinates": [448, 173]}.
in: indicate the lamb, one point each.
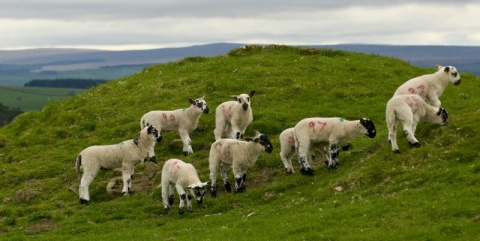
{"type": "Point", "coordinates": [238, 155]}
{"type": "Point", "coordinates": [431, 86]}
{"type": "Point", "coordinates": [233, 117]}
{"type": "Point", "coordinates": [182, 120]}
{"type": "Point", "coordinates": [334, 132]}
{"type": "Point", "coordinates": [287, 145]}
{"type": "Point", "coordinates": [126, 154]}
{"type": "Point", "coordinates": [185, 178]}
{"type": "Point", "coordinates": [410, 110]}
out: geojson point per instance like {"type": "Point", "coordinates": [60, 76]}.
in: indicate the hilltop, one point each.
{"type": "Point", "coordinates": [426, 193]}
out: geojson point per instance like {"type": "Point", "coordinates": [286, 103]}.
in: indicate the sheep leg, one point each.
{"type": "Point", "coordinates": [151, 153]}
{"type": "Point", "coordinates": [219, 129]}
{"type": "Point", "coordinates": [237, 133]}
{"type": "Point", "coordinates": [229, 132]}
{"type": "Point", "coordinates": [392, 136]}
{"type": "Point", "coordinates": [223, 172]}
{"type": "Point", "coordinates": [127, 179]}
{"type": "Point", "coordinates": [214, 168]}
{"type": "Point", "coordinates": [286, 156]}
{"type": "Point", "coordinates": [167, 192]}
{"type": "Point", "coordinates": [334, 151]}
{"type": "Point", "coordinates": [189, 200]}
{"type": "Point", "coordinates": [187, 143]}
{"type": "Point", "coordinates": [303, 158]}
{"type": "Point", "coordinates": [183, 196]}
{"type": "Point", "coordinates": [240, 182]}
{"type": "Point", "coordinates": [410, 136]}
{"type": "Point", "coordinates": [87, 178]}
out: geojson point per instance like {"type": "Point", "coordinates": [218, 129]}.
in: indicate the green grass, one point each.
{"type": "Point", "coordinates": [426, 193]}
{"type": "Point", "coordinates": [33, 98]}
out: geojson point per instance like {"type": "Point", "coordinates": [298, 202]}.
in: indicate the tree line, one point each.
{"type": "Point", "coordinates": [8, 114]}
{"type": "Point", "coordinates": [65, 83]}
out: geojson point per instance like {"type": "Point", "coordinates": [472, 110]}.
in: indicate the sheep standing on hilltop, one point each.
{"type": "Point", "coordinates": [334, 132]}
{"type": "Point", "coordinates": [287, 146]}
{"type": "Point", "coordinates": [126, 154]}
{"type": "Point", "coordinates": [238, 155]}
{"type": "Point", "coordinates": [431, 86]}
{"type": "Point", "coordinates": [410, 110]}
{"type": "Point", "coordinates": [182, 120]}
{"type": "Point", "coordinates": [233, 117]}
{"type": "Point", "coordinates": [184, 177]}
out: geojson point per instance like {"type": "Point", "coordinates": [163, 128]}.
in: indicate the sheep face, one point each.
{"type": "Point", "coordinates": [199, 191]}
{"type": "Point", "coordinates": [201, 104]}
{"type": "Point", "coordinates": [263, 140]}
{"type": "Point", "coordinates": [453, 75]}
{"type": "Point", "coordinates": [369, 126]}
{"type": "Point", "coordinates": [244, 99]}
{"type": "Point", "coordinates": [153, 131]}
{"type": "Point", "coordinates": [443, 116]}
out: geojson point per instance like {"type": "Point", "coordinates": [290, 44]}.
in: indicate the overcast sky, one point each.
{"type": "Point", "coordinates": [144, 24]}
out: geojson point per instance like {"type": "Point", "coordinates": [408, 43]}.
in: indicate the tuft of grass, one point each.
{"type": "Point", "coordinates": [425, 193]}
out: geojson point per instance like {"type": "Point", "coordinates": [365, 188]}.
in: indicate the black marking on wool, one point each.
{"type": "Point", "coordinates": [183, 196]}
{"type": "Point", "coordinates": [370, 126]}
{"type": "Point", "coordinates": [189, 197]}
{"type": "Point", "coordinates": [135, 141]}
{"type": "Point", "coordinates": [171, 198]}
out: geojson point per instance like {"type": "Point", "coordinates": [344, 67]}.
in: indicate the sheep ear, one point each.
{"type": "Point", "coordinates": [447, 69]}
{"type": "Point", "coordinates": [249, 139]}
{"type": "Point", "coordinates": [440, 110]}
{"type": "Point", "coordinates": [203, 97]}
{"type": "Point", "coordinates": [438, 67]}
{"type": "Point", "coordinates": [191, 101]}
{"type": "Point", "coordinates": [251, 93]}
{"type": "Point", "coordinates": [234, 97]}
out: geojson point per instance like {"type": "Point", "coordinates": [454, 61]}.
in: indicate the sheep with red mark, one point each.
{"type": "Point", "coordinates": [410, 110]}
{"type": "Point", "coordinates": [333, 132]}
{"type": "Point", "coordinates": [233, 117]}
{"type": "Point", "coordinates": [431, 86]}
{"type": "Point", "coordinates": [287, 146]}
{"type": "Point", "coordinates": [184, 177]}
{"type": "Point", "coordinates": [126, 155]}
{"type": "Point", "coordinates": [182, 120]}
{"type": "Point", "coordinates": [239, 156]}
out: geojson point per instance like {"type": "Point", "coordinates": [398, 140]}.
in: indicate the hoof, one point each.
{"type": "Point", "coordinates": [153, 159]}
{"type": "Point", "coordinates": [166, 210]}
{"type": "Point", "coordinates": [190, 209]}
{"type": "Point", "coordinates": [345, 148]}
{"type": "Point", "coordinates": [332, 167]}
{"type": "Point", "coordinates": [159, 139]}
{"type": "Point", "coordinates": [396, 151]}
{"type": "Point", "coordinates": [213, 192]}
{"type": "Point", "coordinates": [289, 171]}
{"type": "Point", "coordinates": [239, 190]}
{"type": "Point", "coordinates": [416, 144]}
{"type": "Point", "coordinates": [228, 187]}
{"type": "Point", "coordinates": [180, 211]}
{"type": "Point", "coordinates": [83, 201]}
{"type": "Point", "coordinates": [307, 171]}
{"type": "Point", "coordinates": [185, 153]}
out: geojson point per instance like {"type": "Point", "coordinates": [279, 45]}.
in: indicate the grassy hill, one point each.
{"type": "Point", "coordinates": [426, 193]}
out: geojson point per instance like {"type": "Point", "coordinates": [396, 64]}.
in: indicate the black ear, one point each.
{"type": "Point", "coordinates": [251, 93]}
{"type": "Point", "coordinates": [440, 110]}
{"type": "Point", "coordinates": [150, 129]}
{"type": "Point", "coordinates": [447, 69]}
{"type": "Point", "coordinates": [233, 97]}
{"type": "Point", "coordinates": [191, 101]}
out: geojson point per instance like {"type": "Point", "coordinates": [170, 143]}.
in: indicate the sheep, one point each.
{"type": "Point", "coordinates": [126, 154]}
{"type": "Point", "coordinates": [334, 132]}
{"type": "Point", "coordinates": [238, 155]}
{"type": "Point", "coordinates": [184, 177]}
{"type": "Point", "coordinates": [182, 120]}
{"type": "Point", "coordinates": [431, 86]}
{"type": "Point", "coordinates": [410, 110]}
{"type": "Point", "coordinates": [287, 146]}
{"type": "Point", "coordinates": [233, 117]}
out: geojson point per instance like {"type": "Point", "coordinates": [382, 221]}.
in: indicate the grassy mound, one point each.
{"type": "Point", "coordinates": [426, 193]}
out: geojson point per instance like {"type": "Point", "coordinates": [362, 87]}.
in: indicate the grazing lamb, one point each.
{"type": "Point", "coordinates": [431, 86]}
{"type": "Point", "coordinates": [126, 154]}
{"type": "Point", "coordinates": [184, 177]}
{"type": "Point", "coordinates": [182, 120]}
{"type": "Point", "coordinates": [233, 117]}
{"type": "Point", "coordinates": [287, 145]}
{"type": "Point", "coordinates": [334, 132]}
{"type": "Point", "coordinates": [238, 155]}
{"type": "Point", "coordinates": [410, 110]}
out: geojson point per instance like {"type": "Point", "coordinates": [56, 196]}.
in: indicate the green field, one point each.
{"type": "Point", "coordinates": [33, 98]}
{"type": "Point", "coordinates": [426, 193]}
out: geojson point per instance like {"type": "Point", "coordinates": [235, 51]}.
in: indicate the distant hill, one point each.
{"type": "Point", "coordinates": [20, 66]}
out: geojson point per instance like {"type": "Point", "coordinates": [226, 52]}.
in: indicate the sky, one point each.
{"type": "Point", "coordinates": [148, 24]}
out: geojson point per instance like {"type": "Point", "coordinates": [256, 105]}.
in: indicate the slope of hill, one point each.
{"type": "Point", "coordinates": [426, 193]}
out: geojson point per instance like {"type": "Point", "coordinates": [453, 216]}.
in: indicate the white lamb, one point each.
{"type": "Point", "coordinates": [410, 110]}
{"type": "Point", "coordinates": [431, 86]}
{"type": "Point", "coordinates": [126, 155]}
{"type": "Point", "coordinates": [238, 155]}
{"type": "Point", "coordinates": [233, 117]}
{"type": "Point", "coordinates": [184, 177]}
{"type": "Point", "coordinates": [334, 132]}
{"type": "Point", "coordinates": [287, 145]}
{"type": "Point", "coordinates": [182, 120]}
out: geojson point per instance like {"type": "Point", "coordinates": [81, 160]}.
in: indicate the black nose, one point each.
{"type": "Point", "coordinates": [206, 110]}
{"type": "Point", "coordinates": [458, 82]}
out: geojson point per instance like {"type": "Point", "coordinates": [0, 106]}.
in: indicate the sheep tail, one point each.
{"type": "Point", "coordinates": [78, 163]}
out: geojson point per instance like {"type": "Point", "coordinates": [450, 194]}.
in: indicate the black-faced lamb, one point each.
{"type": "Point", "coordinates": [409, 110]}
{"type": "Point", "coordinates": [431, 86]}
{"type": "Point", "coordinates": [334, 132]}
{"type": "Point", "coordinates": [238, 155]}
{"type": "Point", "coordinates": [126, 155]}
{"type": "Point", "coordinates": [182, 120]}
{"type": "Point", "coordinates": [184, 177]}
{"type": "Point", "coordinates": [287, 145]}
{"type": "Point", "coordinates": [233, 117]}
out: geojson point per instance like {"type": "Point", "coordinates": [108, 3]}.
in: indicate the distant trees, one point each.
{"type": "Point", "coordinates": [66, 83]}
{"type": "Point", "coordinates": [7, 114]}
